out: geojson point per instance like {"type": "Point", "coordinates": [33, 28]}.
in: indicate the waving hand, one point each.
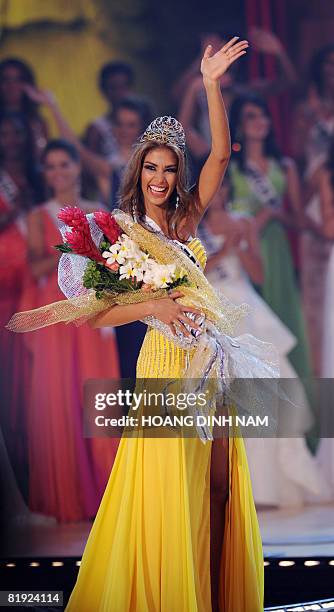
{"type": "Point", "coordinates": [214, 65]}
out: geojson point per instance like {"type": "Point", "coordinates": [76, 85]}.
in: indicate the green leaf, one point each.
{"type": "Point", "coordinates": [63, 248]}
{"type": "Point", "coordinates": [104, 245]}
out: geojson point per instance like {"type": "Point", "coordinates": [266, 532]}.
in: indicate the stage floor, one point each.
{"type": "Point", "coordinates": [301, 532]}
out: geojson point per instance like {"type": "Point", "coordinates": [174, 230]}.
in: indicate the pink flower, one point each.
{"type": "Point", "coordinates": [82, 244]}
{"type": "Point", "coordinates": [74, 217]}
{"type": "Point", "coordinates": [114, 266]}
{"type": "Point", "coordinates": [107, 225]}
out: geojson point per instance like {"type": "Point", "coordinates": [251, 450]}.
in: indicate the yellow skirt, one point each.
{"type": "Point", "coordinates": [149, 547]}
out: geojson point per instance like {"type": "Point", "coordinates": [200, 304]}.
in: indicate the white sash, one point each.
{"type": "Point", "coordinates": [262, 186]}
{"type": "Point", "coordinates": [183, 246]}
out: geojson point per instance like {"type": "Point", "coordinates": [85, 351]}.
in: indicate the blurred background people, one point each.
{"type": "Point", "coordinates": [193, 112]}
{"type": "Point", "coordinates": [325, 187]}
{"type": "Point", "coordinates": [14, 75]}
{"type": "Point", "coordinates": [312, 134]}
{"type": "Point", "coordinates": [248, 242]}
{"type": "Point", "coordinates": [262, 180]}
{"type": "Point", "coordinates": [115, 81]}
{"type": "Point", "coordinates": [20, 190]}
{"type": "Point", "coordinates": [283, 471]}
{"type": "Point", "coordinates": [131, 116]}
{"type": "Point", "coordinates": [70, 480]}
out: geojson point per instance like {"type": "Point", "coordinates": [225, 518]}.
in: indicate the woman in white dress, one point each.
{"type": "Point", "coordinates": [283, 470]}
{"type": "Point", "coordinates": [313, 129]}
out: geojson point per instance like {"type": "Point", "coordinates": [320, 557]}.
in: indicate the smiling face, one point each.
{"type": "Point", "coordinates": [158, 177]}
{"type": "Point", "coordinates": [61, 172]}
{"type": "Point", "coordinates": [255, 124]}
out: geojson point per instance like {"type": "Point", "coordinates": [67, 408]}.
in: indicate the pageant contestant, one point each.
{"type": "Point", "coordinates": [177, 527]}
{"type": "Point", "coordinates": [283, 471]}
{"type": "Point", "coordinates": [69, 481]}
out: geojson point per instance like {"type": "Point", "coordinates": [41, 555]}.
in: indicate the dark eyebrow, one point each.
{"type": "Point", "coordinates": [156, 165]}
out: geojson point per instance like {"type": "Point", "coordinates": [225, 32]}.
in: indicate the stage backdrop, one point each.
{"type": "Point", "coordinates": [66, 42]}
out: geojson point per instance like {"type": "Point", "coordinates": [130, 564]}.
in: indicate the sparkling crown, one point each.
{"type": "Point", "coordinates": [166, 130]}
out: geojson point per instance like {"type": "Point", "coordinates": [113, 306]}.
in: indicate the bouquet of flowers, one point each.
{"type": "Point", "coordinates": [118, 264]}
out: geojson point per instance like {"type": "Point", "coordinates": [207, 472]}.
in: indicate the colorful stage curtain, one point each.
{"type": "Point", "coordinates": [271, 16]}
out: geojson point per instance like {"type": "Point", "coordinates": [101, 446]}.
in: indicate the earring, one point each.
{"type": "Point", "coordinates": [177, 201]}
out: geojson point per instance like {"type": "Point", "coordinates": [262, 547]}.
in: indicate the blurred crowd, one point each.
{"type": "Point", "coordinates": [269, 236]}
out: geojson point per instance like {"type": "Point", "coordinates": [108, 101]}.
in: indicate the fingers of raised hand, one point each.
{"type": "Point", "coordinates": [234, 51]}
{"type": "Point", "coordinates": [235, 57]}
{"type": "Point", "coordinates": [230, 43]}
{"type": "Point", "coordinates": [30, 90]}
{"type": "Point", "coordinates": [208, 52]}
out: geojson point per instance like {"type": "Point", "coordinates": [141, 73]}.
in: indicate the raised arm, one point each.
{"type": "Point", "coordinates": [268, 43]}
{"type": "Point", "coordinates": [213, 67]}
{"type": "Point", "coordinates": [196, 143]}
{"type": "Point", "coordinates": [95, 164]}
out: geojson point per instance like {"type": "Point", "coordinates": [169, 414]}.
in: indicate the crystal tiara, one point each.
{"type": "Point", "coordinates": [165, 130]}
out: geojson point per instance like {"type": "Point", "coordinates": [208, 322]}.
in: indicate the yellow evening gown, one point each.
{"type": "Point", "coordinates": [149, 547]}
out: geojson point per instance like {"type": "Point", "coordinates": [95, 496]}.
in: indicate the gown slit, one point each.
{"type": "Point", "coordinates": [149, 546]}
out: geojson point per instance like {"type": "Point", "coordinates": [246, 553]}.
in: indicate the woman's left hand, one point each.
{"type": "Point", "coordinates": [214, 65]}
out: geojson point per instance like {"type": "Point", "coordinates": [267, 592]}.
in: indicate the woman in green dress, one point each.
{"type": "Point", "coordinates": [261, 180]}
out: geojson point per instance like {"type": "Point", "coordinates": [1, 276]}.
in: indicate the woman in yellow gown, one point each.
{"type": "Point", "coordinates": [177, 528]}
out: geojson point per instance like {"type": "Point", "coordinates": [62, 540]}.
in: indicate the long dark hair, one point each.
{"type": "Point", "coordinates": [32, 172]}
{"type": "Point", "coordinates": [136, 104]}
{"type": "Point", "coordinates": [317, 67]}
{"type": "Point", "coordinates": [60, 144]}
{"type": "Point", "coordinates": [29, 107]}
{"type": "Point", "coordinates": [131, 196]}
{"type": "Point", "coordinates": [238, 144]}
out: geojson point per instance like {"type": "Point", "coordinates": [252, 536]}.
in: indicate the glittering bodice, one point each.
{"type": "Point", "coordinates": [160, 357]}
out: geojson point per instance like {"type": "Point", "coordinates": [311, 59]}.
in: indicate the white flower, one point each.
{"type": "Point", "coordinates": [130, 248]}
{"type": "Point", "coordinates": [123, 249]}
{"type": "Point", "coordinates": [159, 276]}
{"type": "Point", "coordinates": [131, 270]}
{"type": "Point", "coordinates": [126, 271]}
{"type": "Point", "coordinates": [144, 258]}
{"type": "Point", "coordinates": [114, 254]}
